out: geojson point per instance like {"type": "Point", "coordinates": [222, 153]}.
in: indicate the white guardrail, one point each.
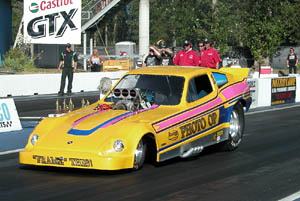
{"type": "Point", "coordinates": [267, 90]}
{"type": "Point", "coordinates": [31, 84]}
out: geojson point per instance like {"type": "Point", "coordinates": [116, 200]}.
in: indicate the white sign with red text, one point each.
{"type": "Point", "coordinates": [52, 21]}
{"type": "Point", "coordinates": [9, 118]}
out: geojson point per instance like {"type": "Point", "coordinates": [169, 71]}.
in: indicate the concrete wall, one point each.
{"type": "Point", "coordinates": [22, 85]}
{"type": "Point", "coordinates": [5, 26]}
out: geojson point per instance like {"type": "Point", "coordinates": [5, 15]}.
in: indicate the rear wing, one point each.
{"type": "Point", "coordinates": [238, 74]}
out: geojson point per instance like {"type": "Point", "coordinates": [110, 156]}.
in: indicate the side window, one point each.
{"type": "Point", "coordinates": [220, 78]}
{"type": "Point", "coordinates": [198, 87]}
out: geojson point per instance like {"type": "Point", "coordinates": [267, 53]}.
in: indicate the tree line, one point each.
{"type": "Point", "coordinates": [260, 25]}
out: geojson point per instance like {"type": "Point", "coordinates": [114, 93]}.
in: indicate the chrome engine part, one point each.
{"type": "Point", "coordinates": [130, 99]}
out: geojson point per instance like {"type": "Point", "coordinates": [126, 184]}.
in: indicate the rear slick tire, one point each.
{"type": "Point", "coordinates": [236, 129]}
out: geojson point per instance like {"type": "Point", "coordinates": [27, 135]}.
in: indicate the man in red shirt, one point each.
{"type": "Point", "coordinates": [187, 56]}
{"type": "Point", "coordinates": [209, 57]}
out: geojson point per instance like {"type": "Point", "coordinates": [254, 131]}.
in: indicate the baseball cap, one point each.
{"type": "Point", "coordinates": [186, 43]}
{"type": "Point", "coordinates": [206, 40]}
{"type": "Point", "coordinates": [68, 45]}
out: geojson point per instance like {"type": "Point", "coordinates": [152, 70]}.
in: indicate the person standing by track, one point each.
{"type": "Point", "coordinates": [153, 57]}
{"type": "Point", "coordinates": [96, 62]}
{"type": "Point", "coordinates": [292, 61]}
{"type": "Point", "coordinates": [187, 56]}
{"type": "Point", "coordinates": [68, 64]}
{"type": "Point", "coordinates": [209, 57]}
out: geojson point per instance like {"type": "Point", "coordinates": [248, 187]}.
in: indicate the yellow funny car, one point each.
{"type": "Point", "coordinates": [156, 113]}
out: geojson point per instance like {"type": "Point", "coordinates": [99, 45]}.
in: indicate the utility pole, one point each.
{"type": "Point", "coordinates": [144, 27]}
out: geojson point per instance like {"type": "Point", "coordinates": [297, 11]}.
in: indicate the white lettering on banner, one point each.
{"type": "Point", "coordinates": [9, 118]}
{"type": "Point", "coordinates": [52, 22]}
{"type": "Point", "coordinates": [291, 88]}
{"type": "Point", "coordinates": [282, 89]}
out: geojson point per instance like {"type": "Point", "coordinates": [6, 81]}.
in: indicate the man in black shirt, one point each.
{"type": "Point", "coordinates": [166, 56]}
{"type": "Point", "coordinates": [68, 62]}
{"type": "Point", "coordinates": [153, 57]}
{"type": "Point", "coordinates": [292, 61]}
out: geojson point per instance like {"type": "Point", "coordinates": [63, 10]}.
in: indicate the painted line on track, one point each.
{"type": "Point", "coordinates": [31, 118]}
{"type": "Point", "coordinates": [272, 109]}
{"type": "Point", "coordinates": [293, 197]}
{"type": "Point", "coordinates": [11, 152]}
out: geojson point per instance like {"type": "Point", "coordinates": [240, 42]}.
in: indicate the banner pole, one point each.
{"type": "Point", "coordinates": [19, 33]}
{"type": "Point", "coordinates": [84, 52]}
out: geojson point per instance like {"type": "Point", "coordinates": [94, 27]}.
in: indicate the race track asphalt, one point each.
{"type": "Point", "coordinates": [265, 167]}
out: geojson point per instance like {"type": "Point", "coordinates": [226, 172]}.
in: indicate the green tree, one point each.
{"type": "Point", "coordinates": [17, 13]}
{"type": "Point", "coordinates": [265, 26]}
{"type": "Point", "coordinates": [294, 23]}
{"type": "Point", "coordinates": [226, 25]}
{"type": "Point", "coordinates": [262, 25]}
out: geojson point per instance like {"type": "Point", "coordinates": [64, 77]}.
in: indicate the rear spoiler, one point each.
{"type": "Point", "coordinates": [238, 73]}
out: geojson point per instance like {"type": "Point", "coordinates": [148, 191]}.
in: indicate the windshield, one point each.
{"type": "Point", "coordinates": [157, 89]}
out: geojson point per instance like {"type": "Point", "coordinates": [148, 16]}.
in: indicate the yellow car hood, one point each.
{"type": "Point", "coordinates": [98, 121]}
{"type": "Point", "coordinates": [90, 129]}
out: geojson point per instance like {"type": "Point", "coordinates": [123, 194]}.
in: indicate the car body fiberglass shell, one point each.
{"type": "Point", "coordinates": [85, 138]}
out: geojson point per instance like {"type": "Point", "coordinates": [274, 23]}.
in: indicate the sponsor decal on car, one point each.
{"type": "Point", "coordinates": [186, 115]}
{"type": "Point", "coordinates": [75, 162]}
{"type": "Point", "coordinates": [173, 135]}
{"type": "Point", "coordinates": [199, 124]}
{"type": "Point", "coordinates": [193, 128]}
{"type": "Point", "coordinates": [217, 135]}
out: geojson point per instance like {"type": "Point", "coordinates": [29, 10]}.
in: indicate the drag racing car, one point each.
{"type": "Point", "coordinates": [152, 113]}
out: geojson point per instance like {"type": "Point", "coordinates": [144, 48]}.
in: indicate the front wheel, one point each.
{"type": "Point", "coordinates": [236, 128]}
{"type": "Point", "coordinates": [140, 155]}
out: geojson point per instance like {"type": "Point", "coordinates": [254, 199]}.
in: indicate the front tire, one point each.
{"type": "Point", "coordinates": [140, 155]}
{"type": "Point", "coordinates": [236, 128]}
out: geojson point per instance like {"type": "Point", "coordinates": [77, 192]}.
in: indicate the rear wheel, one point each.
{"type": "Point", "coordinates": [140, 155]}
{"type": "Point", "coordinates": [236, 128]}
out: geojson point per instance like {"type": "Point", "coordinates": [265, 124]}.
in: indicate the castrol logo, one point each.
{"type": "Point", "coordinates": [47, 5]}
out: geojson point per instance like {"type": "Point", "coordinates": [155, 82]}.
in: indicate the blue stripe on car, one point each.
{"type": "Point", "coordinates": [88, 132]}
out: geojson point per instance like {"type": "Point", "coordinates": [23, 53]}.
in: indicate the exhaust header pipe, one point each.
{"type": "Point", "coordinates": [125, 93]}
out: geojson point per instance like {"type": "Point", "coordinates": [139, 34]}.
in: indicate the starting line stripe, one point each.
{"type": "Point", "coordinates": [273, 109]}
{"type": "Point", "coordinates": [293, 197]}
{"type": "Point", "coordinates": [31, 118]}
{"type": "Point", "coordinates": [11, 151]}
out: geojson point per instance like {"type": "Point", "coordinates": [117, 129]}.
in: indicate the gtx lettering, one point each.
{"type": "Point", "coordinates": [37, 27]}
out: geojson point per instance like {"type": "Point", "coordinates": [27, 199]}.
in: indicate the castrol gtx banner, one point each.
{"type": "Point", "coordinates": [52, 21]}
